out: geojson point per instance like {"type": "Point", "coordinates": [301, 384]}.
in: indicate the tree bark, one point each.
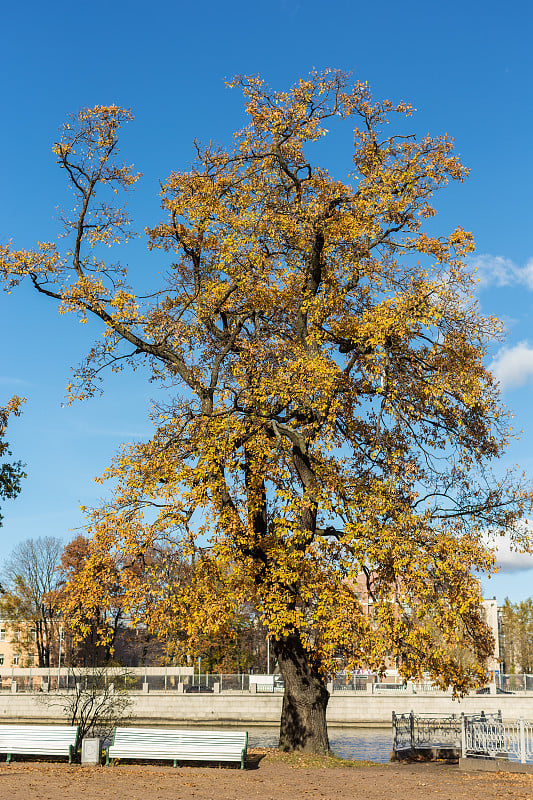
{"type": "Point", "coordinates": [303, 716]}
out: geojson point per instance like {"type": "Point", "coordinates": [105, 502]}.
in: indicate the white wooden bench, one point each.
{"type": "Point", "coordinates": [39, 740]}
{"type": "Point", "coordinates": [178, 745]}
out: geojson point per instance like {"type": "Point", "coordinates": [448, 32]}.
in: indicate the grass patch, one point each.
{"type": "Point", "coordinates": [307, 760]}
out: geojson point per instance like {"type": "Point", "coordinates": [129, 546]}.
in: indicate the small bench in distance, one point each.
{"type": "Point", "coordinates": [178, 745]}
{"type": "Point", "coordinates": [38, 740]}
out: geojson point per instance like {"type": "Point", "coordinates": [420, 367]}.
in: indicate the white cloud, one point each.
{"type": "Point", "coordinates": [6, 380]}
{"type": "Point", "coordinates": [500, 271]}
{"type": "Point", "coordinates": [513, 366]}
{"type": "Point", "coordinates": [509, 560]}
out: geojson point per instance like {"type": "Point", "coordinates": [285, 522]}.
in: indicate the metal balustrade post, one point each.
{"type": "Point", "coordinates": [412, 728]}
{"type": "Point", "coordinates": [463, 736]}
{"type": "Point", "coordinates": [522, 740]}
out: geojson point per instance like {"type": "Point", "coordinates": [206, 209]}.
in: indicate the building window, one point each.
{"type": "Point", "coordinates": [16, 636]}
{"type": "Point", "coordinates": [1, 659]}
{"type": "Point", "coordinates": [15, 660]}
{"type": "Point", "coordinates": [30, 659]}
{"type": "Point", "coordinates": [2, 634]}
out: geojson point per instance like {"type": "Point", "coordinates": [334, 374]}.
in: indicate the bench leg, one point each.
{"type": "Point", "coordinates": [175, 762]}
{"type": "Point", "coordinates": [8, 758]}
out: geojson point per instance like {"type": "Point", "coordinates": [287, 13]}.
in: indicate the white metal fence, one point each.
{"type": "Point", "coordinates": [147, 679]}
{"type": "Point", "coordinates": [514, 683]}
{"type": "Point", "coordinates": [489, 736]}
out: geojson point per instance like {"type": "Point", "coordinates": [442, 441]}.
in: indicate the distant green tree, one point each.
{"type": "Point", "coordinates": [11, 474]}
{"type": "Point", "coordinates": [517, 636]}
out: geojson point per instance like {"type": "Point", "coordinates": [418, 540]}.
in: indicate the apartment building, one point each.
{"type": "Point", "coordinates": [17, 645]}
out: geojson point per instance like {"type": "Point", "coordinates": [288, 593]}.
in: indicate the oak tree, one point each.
{"type": "Point", "coordinates": [331, 413]}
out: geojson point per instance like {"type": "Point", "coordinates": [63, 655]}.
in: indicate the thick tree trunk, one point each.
{"type": "Point", "coordinates": [43, 650]}
{"type": "Point", "coordinates": [303, 717]}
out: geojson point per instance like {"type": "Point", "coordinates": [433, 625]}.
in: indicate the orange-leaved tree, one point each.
{"type": "Point", "coordinates": [96, 628]}
{"type": "Point", "coordinates": [330, 410]}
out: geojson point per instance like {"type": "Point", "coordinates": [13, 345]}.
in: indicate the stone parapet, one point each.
{"type": "Point", "coordinates": [265, 709]}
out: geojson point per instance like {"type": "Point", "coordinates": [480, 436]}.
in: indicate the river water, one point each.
{"type": "Point", "coordinates": [373, 744]}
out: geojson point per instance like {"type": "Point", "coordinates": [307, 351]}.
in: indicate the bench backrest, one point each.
{"type": "Point", "coordinates": [37, 738]}
{"type": "Point", "coordinates": [155, 738]}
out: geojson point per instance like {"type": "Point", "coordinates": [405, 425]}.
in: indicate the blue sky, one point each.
{"type": "Point", "coordinates": [465, 67]}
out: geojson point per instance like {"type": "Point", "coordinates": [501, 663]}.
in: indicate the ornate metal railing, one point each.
{"type": "Point", "coordinates": [423, 731]}
{"type": "Point", "coordinates": [170, 678]}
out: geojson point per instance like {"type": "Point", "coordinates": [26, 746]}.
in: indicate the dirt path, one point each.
{"type": "Point", "coordinates": [270, 780]}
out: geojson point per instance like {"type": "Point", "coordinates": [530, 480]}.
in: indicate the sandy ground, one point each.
{"type": "Point", "coordinates": [266, 779]}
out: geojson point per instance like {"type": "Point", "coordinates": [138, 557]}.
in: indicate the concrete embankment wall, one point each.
{"type": "Point", "coordinates": [168, 708]}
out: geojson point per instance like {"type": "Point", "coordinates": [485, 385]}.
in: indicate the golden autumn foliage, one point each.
{"type": "Point", "coordinates": [331, 412]}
